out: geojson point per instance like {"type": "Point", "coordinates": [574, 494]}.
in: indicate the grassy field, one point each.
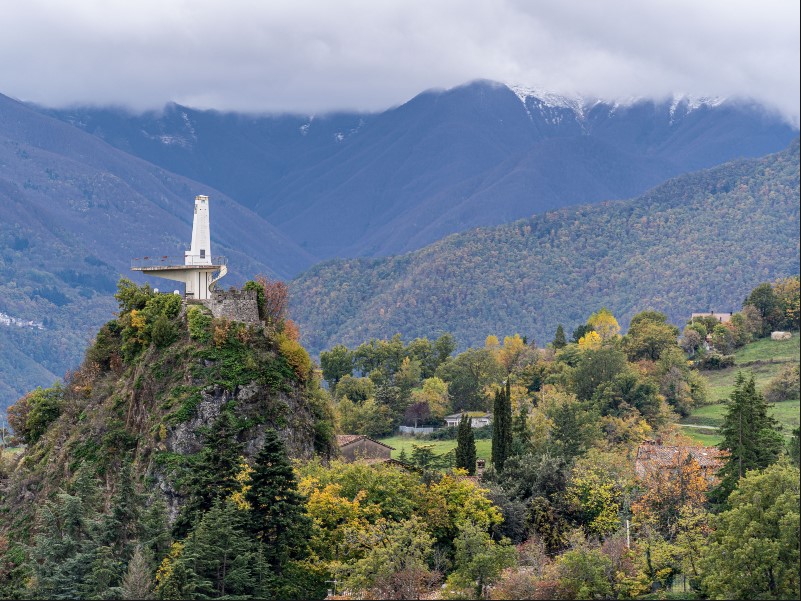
{"type": "Point", "coordinates": [483, 447]}
{"type": "Point", "coordinates": [764, 359]}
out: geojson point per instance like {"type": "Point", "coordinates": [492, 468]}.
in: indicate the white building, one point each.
{"type": "Point", "coordinates": [197, 269]}
{"type": "Point", "coordinates": [478, 419]}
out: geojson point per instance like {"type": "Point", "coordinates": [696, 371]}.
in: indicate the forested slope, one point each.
{"type": "Point", "coordinates": [699, 241]}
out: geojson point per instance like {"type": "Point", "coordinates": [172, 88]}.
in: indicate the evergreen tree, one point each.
{"type": "Point", "coordinates": [466, 445]}
{"type": "Point", "coordinates": [277, 509]}
{"type": "Point", "coordinates": [403, 457]}
{"type": "Point", "coordinates": [66, 544]}
{"type": "Point", "coordinates": [213, 475]}
{"type": "Point", "coordinates": [502, 427]}
{"type": "Point", "coordinates": [559, 340]}
{"type": "Point", "coordinates": [220, 554]}
{"type": "Point", "coordinates": [749, 435]}
{"type": "Point", "coordinates": [795, 447]}
{"type": "Point", "coordinates": [521, 434]}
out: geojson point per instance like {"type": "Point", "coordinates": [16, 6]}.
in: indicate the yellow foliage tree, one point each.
{"type": "Point", "coordinates": [591, 340]}
{"type": "Point", "coordinates": [605, 324]}
{"type": "Point", "coordinates": [434, 392]}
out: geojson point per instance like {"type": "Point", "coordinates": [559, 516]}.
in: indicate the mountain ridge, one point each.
{"type": "Point", "coordinates": [363, 184]}
{"type": "Point", "coordinates": [683, 246]}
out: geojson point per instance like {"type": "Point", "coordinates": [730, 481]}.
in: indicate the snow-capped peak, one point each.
{"type": "Point", "coordinates": [550, 99]}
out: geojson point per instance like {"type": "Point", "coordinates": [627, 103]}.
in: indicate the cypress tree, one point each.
{"type": "Point", "coordinates": [502, 426]}
{"type": "Point", "coordinates": [749, 435]}
{"type": "Point", "coordinates": [277, 509]}
{"type": "Point", "coordinates": [466, 446]}
{"type": "Point", "coordinates": [559, 340]}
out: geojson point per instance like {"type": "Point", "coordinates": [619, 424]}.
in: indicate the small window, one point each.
{"type": "Point", "coordinates": [202, 253]}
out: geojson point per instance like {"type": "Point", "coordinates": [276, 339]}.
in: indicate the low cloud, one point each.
{"type": "Point", "coordinates": [314, 56]}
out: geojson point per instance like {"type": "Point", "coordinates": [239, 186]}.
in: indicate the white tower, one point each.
{"type": "Point", "coordinates": [197, 269]}
{"type": "Point", "coordinates": [200, 251]}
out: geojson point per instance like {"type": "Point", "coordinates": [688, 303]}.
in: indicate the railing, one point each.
{"type": "Point", "coordinates": [177, 261]}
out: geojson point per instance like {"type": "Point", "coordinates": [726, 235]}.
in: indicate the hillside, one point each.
{"type": "Point", "coordinates": [354, 184]}
{"type": "Point", "coordinates": [764, 359]}
{"type": "Point", "coordinates": [74, 211]}
{"type": "Point", "coordinates": [698, 241]}
{"type": "Point", "coordinates": [157, 380]}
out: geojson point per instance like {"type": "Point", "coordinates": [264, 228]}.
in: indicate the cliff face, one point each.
{"type": "Point", "coordinates": [153, 384]}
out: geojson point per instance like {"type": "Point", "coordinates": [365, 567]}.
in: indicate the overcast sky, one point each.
{"type": "Point", "coordinates": [319, 55]}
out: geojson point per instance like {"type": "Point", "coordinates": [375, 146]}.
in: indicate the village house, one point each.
{"type": "Point", "coordinates": [721, 317]}
{"type": "Point", "coordinates": [652, 456]}
{"type": "Point", "coordinates": [353, 447]}
{"type": "Point", "coordinates": [478, 419]}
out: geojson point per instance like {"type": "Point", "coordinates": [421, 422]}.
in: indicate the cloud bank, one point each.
{"type": "Point", "coordinates": [315, 55]}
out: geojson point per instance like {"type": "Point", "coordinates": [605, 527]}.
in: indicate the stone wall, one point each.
{"type": "Point", "coordinates": [236, 305]}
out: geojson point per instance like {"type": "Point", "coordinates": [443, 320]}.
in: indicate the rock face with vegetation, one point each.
{"type": "Point", "coordinates": [154, 385]}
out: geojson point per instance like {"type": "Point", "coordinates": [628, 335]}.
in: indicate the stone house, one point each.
{"type": "Point", "coordinates": [355, 447]}
{"type": "Point", "coordinates": [653, 455]}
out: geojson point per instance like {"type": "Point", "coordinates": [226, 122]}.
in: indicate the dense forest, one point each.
{"type": "Point", "coordinates": [692, 244]}
{"type": "Point", "coordinates": [194, 457]}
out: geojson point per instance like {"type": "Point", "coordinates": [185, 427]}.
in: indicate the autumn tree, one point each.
{"type": "Point", "coordinates": [604, 324]}
{"type": "Point", "coordinates": [668, 493]}
{"type": "Point", "coordinates": [649, 335]}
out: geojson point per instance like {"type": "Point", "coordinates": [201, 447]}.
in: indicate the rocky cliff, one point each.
{"type": "Point", "coordinates": [154, 383]}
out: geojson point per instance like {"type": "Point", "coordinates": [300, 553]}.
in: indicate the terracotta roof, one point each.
{"type": "Point", "coordinates": [650, 454]}
{"type": "Point", "coordinates": [344, 440]}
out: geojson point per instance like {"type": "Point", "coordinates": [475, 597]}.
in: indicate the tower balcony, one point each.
{"type": "Point", "coordinates": [160, 263]}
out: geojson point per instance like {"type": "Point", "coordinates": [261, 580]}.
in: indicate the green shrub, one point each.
{"type": "Point", "coordinates": [199, 324]}
{"type": "Point", "coordinates": [716, 361]}
{"type": "Point", "coordinates": [163, 332]}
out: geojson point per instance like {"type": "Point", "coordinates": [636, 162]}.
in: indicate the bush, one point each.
{"type": "Point", "coordinates": [296, 356]}
{"type": "Point", "coordinates": [199, 324]}
{"type": "Point", "coordinates": [163, 333]}
{"type": "Point", "coordinates": [716, 361]}
{"type": "Point", "coordinates": [784, 386]}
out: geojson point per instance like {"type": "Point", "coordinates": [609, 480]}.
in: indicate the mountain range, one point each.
{"type": "Point", "coordinates": [352, 184]}
{"type": "Point", "coordinates": [85, 190]}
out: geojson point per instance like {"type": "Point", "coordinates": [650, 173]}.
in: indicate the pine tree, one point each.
{"type": "Point", "coordinates": [749, 435]}
{"type": "Point", "coordinates": [221, 554]}
{"type": "Point", "coordinates": [559, 340]}
{"type": "Point", "coordinates": [403, 457]}
{"type": "Point", "coordinates": [502, 427]}
{"type": "Point", "coordinates": [466, 445]}
{"type": "Point", "coordinates": [277, 509]}
{"type": "Point", "coordinates": [214, 474]}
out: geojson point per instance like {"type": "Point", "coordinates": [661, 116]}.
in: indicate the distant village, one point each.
{"type": "Point", "coordinates": [7, 320]}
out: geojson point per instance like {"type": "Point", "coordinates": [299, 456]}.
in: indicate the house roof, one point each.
{"type": "Point", "coordinates": [344, 440]}
{"type": "Point", "coordinates": [650, 454]}
{"type": "Point", "coordinates": [469, 414]}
